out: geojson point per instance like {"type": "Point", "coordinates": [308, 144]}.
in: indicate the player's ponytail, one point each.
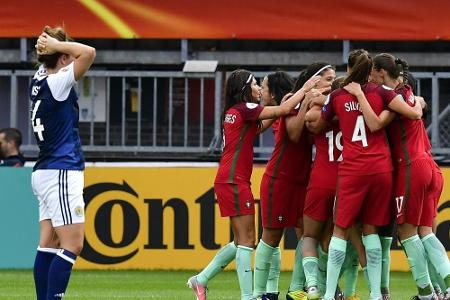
{"type": "Point", "coordinates": [360, 71]}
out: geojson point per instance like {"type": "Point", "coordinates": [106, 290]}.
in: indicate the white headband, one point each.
{"type": "Point", "coordinates": [320, 70]}
{"type": "Point", "coordinates": [250, 77]}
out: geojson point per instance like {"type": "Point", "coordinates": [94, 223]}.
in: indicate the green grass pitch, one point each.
{"type": "Point", "coordinates": [18, 284]}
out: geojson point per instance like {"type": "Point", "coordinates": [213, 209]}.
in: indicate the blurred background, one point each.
{"type": "Point", "coordinates": [153, 101]}
{"type": "Point", "coordinates": [137, 103]}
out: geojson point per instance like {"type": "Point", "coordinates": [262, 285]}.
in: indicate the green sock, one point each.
{"type": "Point", "coordinates": [385, 263]}
{"type": "Point", "coordinates": [298, 276]}
{"type": "Point", "coordinates": [438, 257]}
{"type": "Point", "coordinates": [218, 263]}
{"type": "Point", "coordinates": [417, 260]}
{"type": "Point", "coordinates": [263, 257]}
{"type": "Point", "coordinates": [311, 268]}
{"type": "Point", "coordinates": [336, 257]}
{"type": "Point", "coordinates": [436, 280]}
{"type": "Point", "coordinates": [322, 271]}
{"type": "Point", "coordinates": [366, 277]}
{"type": "Point", "coordinates": [351, 271]}
{"type": "Point", "coordinates": [244, 271]}
{"type": "Point", "coordinates": [274, 272]}
{"type": "Point", "coordinates": [373, 255]}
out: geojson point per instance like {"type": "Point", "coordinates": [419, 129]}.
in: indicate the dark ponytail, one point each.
{"type": "Point", "coordinates": [360, 71]}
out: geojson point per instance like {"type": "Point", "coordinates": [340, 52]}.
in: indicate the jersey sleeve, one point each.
{"type": "Point", "coordinates": [387, 94]}
{"type": "Point", "coordinates": [328, 109]}
{"type": "Point", "coordinates": [61, 82]}
{"type": "Point", "coordinates": [250, 111]}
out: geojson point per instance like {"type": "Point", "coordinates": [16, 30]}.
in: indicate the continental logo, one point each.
{"type": "Point", "coordinates": [139, 227]}
{"type": "Point", "coordinates": [156, 210]}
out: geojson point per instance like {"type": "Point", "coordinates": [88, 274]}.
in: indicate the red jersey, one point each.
{"type": "Point", "coordinates": [239, 130]}
{"type": "Point", "coordinates": [328, 155]}
{"type": "Point", "coordinates": [406, 136]}
{"type": "Point", "coordinates": [426, 141]}
{"type": "Point", "coordinates": [275, 126]}
{"type": "Point", "coordinates": [290, 161]}
{"type": "Point", "coordinates": [365, 152]}
{"type": "Point", "coordinates": [427, 145]}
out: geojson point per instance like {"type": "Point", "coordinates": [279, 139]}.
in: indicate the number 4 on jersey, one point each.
{"type": "Point", "coordinates": [359, 133]}
{"type": "Point", "coordinates": [36, 123]}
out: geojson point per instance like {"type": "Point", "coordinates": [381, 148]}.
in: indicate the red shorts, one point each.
{"type": "Point", "coordinates": [365, 198]}
{"type": "Point", "coordinates": [234, 199]}
{"type": "Point", "coordinates": [411, 185]}
{"type": "Point", "coordinates": [435, 189]}
{"type": "Point", "coordinates": [319, 203]}
{"type": "Point", "coordinates": [281, 202]}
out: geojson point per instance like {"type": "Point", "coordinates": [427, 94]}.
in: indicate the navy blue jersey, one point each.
{"type": "Point", "coordinates": [54, 118]}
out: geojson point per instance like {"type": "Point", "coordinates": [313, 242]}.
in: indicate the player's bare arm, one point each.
{"type": "Point", "coordinates": [83, 55]}
{"type": "Point", "coordinates": [373, 121]}
{"type": "Point", "coordinates": [295, 124]}
{"type": "Point", "coordinates": [314, 121]}
{"type": "Point", "coordinates": [285, 107]}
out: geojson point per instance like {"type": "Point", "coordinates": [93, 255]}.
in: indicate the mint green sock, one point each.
{"type": "Point", "coordinates": [351, 271]}
{"type": "Point", "coordinates": [386, 243]}
{"type": "Point", "coordinates": [274, 272]}
{"type": "Point", "coordinates": [373, 255]}
{"type": "Point", "coordinates": [417, 260]}
{"type": "Point", "coordinates": [225, 255]}
{"type": "Point", "coordinates": [311, 268]}
{"type": "Point", "coordinates": [436, 280]}
{"type": "Point", "coordinates": [366, 277]}
{"type": "Point", "coordinates": [438, 257]}
{"type": "Point", "coordinates": [298, 276]}
{"type": "Point", "coordinates": [244, 271]}
{"type": "Point", "coordinates": [263, 257]}
{"type": "Point", "coordinates": [322, 271]}
{"type": "Point", "coordinates": [336, 257]}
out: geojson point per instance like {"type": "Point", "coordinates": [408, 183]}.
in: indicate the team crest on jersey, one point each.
{"type": "Point", "coordinates": [251, 105]}
{"type": "Point", "coordinates": [79, 211]}
{"type": "Point", "coordinates": [411, 99]}
{"type": "Point", "coordinates": [280, 218]}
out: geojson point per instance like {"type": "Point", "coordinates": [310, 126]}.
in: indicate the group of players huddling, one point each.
{"type": "Point", "coordinates": [372, 169]}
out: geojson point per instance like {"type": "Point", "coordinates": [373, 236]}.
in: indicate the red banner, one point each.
{"type": "Point", "coordinates": [231, 19]}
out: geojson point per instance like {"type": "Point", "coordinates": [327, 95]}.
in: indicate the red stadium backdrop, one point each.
{"type": "Point", "coordinates": [231, 19]}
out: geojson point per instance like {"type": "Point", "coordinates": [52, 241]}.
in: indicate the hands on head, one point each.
{"type": "Point", "coordinates": [311, 83]}
{"type": "Point", "coordinates": [45, 44]}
